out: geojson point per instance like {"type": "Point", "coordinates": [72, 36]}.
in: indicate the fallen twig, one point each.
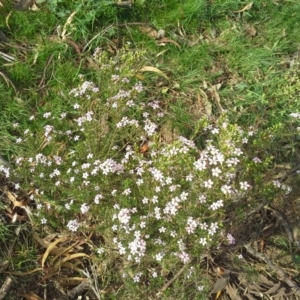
{"type": "Point", "coordinates": [7, 57]}
{"type": "Point", "coordinates": [78, 290]}
{"type": "Point", "coordinates": [285, 177]}
{"type": "Point", "coordinates": [5, 287]}
{"type": "Point", "coordinates": [171, 281]}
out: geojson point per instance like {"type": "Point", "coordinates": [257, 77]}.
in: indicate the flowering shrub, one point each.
{"type": "Point", "coordinates": [98, 163]}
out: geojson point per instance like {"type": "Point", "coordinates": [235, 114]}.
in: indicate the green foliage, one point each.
{"type": "Point", "coordinates": [140, 160]}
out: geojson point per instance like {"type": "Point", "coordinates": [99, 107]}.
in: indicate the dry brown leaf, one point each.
{"type": "Point", "coordinates": [144, 148]}
{"type": "Point", "coordinates": [50, 248]}
{"type": "Point", "coordinates": [247, 7]}
{"type": "Point", "coordinates": [71, 266]}
{"type": "Point", "coordinates": [214, 91]}
{"type": "Point", "coordinates": [14, 200]}
{"type": "Point", "coordinates": [31, 296]}
{"type": "Point", "coordinates": [69, 257]}
{"type": "Point", "coordinates": [166, 40]}
{"type": "Point", "coordinates": [34, 7]}
{"type": "Point", "coordinates": [72, 278]}
{"type": "Point", "coordinates": [251, 30]}
{"type": "Point", "coordinates": [205, 102]}
{"type": "Point", "coordinates": [221, 282]}
{"type": "Point", "coordinates": [150, 31]}
{"type": "Point", "coordinates": [233, 291]}
{"type": "Point", "coordinates": [23, 273]}
{"type": "Point", "coordinates": [153, 69]}
{"type": "Point", "coordinates": [76, 255]}
{"type": "Point", "coordinates": [50, 237]}
{"type": "Point", "coordinates": [42, 242]}
{"type": "Point", "coordinates": [45, 243]}
{"type": "Point", "coordinates": [62, 251]}
{"type": "Point", "coordinates": [51, 273]}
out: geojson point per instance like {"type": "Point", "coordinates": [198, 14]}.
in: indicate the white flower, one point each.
{"type": "Point", "coordinates": [203, 241]}
{"type": "Point", "coordinates": [215, 131]}
{"type": "Point", "coordinates": [231, 239]}
{"type": "Point", "coordinates": [256, 160]}
{"type": "Point", "coordinates": [184, 257]}
{"type": "Point", "coordinates": [200, 164]}
{"type": "Point", "coordinates": [216, 205]}
{"type": "Point", "coordinates": [216, 172]}
{"type": "Point", "coordinates": [226, 189]}
{"type": "Point", "coordinates": [44, 221]}
{"type": "Point", "coordinates": [244, 185]}
{"type": "Point", "coordinates": [100, 250]}
{"type": "Point", "coordinates": [159, 256]}
{"type": "Point", "coordinates": [162, 229]}
{"type": "Point", "coordinates": [84, 208]}
{"type": "Point", "coordinates": [73, 225]}
{"type": "Point", "coordinates": [127, 192]}
{"type": "Point", "coordinates": [237, 152]}
{"type": "Point", "coordinates": [47, 115]}
{"type": "Point", "coordinates": [189, 177]}
{"type": "Point", "coordinates": [124, 216]}
{"type": "Point", "coordinates": [150, 127]}
{"type": "Point", "coordinates": [208, 183]}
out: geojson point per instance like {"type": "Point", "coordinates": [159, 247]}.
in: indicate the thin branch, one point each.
{"type": "Point", "coordinates": [171, 281]}
{"type": "Point", "coordinates": [5, 287]}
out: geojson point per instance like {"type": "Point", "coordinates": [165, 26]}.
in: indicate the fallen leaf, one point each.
{"type": "Point", "coordinates": [22, 273]}
{"type": "Point", "coordinates": [31, 296]}
{"type": "Point", "coordinates": [214, 92]}
{"type": "Point", "coordinates": [221, 282]}
{"type": "Point", "coordinates": [72, 278]}
{"type": "Point", "coordinates": [15, 202]}
{"type": "Point", "coordinates": [166, 40]}
{"type": "Point", "coordinates": [50, 247]}
{"type": "Point", "coordinates": [203, 99]}
{"type": "Point", "coordinates": [34, 7]}
{"type": "Point", "coordinates": [153, 69]}
{"type": "Point", "coordinates": [251, 31]}
{"type": "Point", "coordinates": [63, 251]}
{"type": "Point", "coordinates": [148, 30]}
{"type": "Point", "coordinates": [71, 266]}
{"type": "Point", "coordinates": [247, 7]}
{"type": "Point", "coordinates": [144, 148]}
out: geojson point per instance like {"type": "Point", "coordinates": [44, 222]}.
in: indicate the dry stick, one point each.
{"type": "Point", "coordinates": [5, 287]}
{"type": "Point", "coordinates": [285, 177]}
{"type": "Point", "coordinates": [171, 281]}
{"type": "Point", "coordinates": [78, 290]}
{"type": "Point", "coordinates": [282, 275]}
{"type": "Point", "coordinates": [7, 57]}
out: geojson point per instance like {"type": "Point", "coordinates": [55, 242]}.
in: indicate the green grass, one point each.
{"type": "Point", "coordinates": [216, 52]}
